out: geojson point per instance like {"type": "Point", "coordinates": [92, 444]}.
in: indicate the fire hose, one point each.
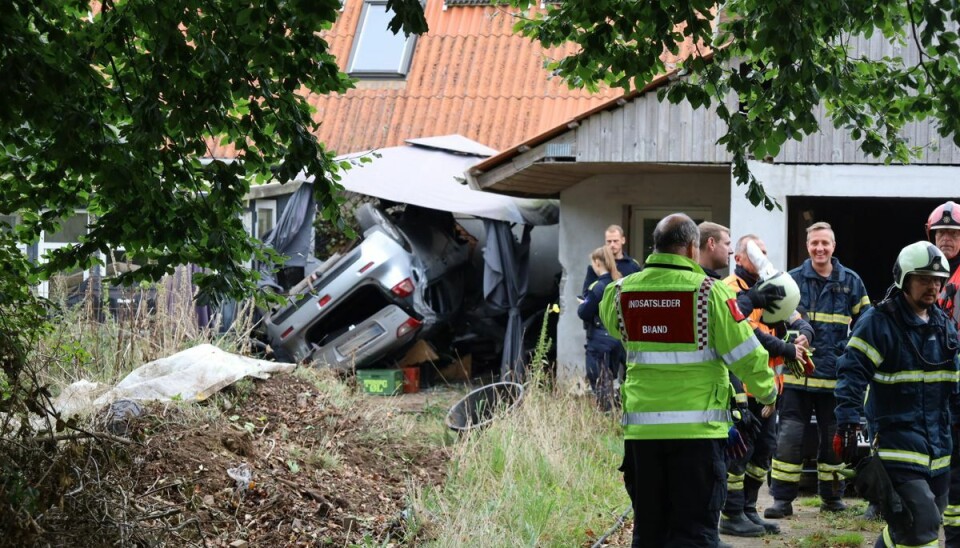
{"type": "Point", "coordinates": [617, 525]}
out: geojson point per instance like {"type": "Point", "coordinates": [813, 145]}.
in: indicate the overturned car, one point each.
{"type": "Point", "coordinates": [443, 271]}
{"type": "Point", "coordinates": [401, 279]}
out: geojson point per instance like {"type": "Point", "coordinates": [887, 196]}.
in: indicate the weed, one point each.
{"type": "Point", "coordinates": [852, 518]}
{"type": "Point", "coordinates": [336, 393]}
{"type": "Point", "coordinates": [538, 363]}
{"type": "Point", "coordinates": [832, 540]}
{"type": "Point", "coordinates": [323, 459]}
{"type": "Point", "coordinates": [241, 390]}
{"type": "Point", "coordinates": [810, 502]}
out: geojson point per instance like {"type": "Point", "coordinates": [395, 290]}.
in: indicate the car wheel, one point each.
{"type": "Point", "coordinates": [366, 216]}
{"type": "Point", "coordinates": [369, 216]}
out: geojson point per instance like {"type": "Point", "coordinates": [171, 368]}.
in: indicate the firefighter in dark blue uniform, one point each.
{"type": "Point", "coordinates": [831, 298]}
{"type": "Point", "coordinates": [604, 353]}
{"type": "Point", "coordinates": [905, 350]}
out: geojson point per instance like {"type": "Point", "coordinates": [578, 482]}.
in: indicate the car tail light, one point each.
{"type": "Point", "coordinates": [366, 267]}
{"type": "Point", "coordinates": [286, 332]}
{"type": "Point", "coordinates": [323, 301]}
{"type": "Point", "coordinates": [404, 288]}
{"type": "Point", "coordinates": [406, 327]}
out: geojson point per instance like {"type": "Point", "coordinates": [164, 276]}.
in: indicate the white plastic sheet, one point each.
{"type": "Point", "coordinates": [191, 375]}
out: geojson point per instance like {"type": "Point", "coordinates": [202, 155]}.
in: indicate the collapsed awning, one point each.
{"type": "Point", "coordinates": [429, 173]}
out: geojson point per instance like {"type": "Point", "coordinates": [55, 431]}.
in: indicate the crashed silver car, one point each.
{"type": "Point", "coordinates": [438, 261]}
{"type": "Point", "coordinates": [402, 278]}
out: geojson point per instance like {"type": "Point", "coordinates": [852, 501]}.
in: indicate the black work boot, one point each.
{"type": "Point", "coordinates": [779, 510]}
{"type": "Point", "coordinates": [833, 505]}
{"type": "Point", "coordinates": [739, 526]}
{"type": "Point", "coordinates": [768, 526]}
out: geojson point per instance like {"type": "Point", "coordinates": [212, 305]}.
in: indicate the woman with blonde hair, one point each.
{"type": "Point", "coordinates": [604, 353]}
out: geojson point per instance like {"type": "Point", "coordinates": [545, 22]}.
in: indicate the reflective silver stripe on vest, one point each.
{"type": "Point", "coordinates": [741, 350]}
{"type": "Point", "coordinates": [655, 358]}
{"type": "Point", "coordinates": [676, 417]}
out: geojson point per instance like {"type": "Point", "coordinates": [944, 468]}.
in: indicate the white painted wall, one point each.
{"type": "Point", "coordinates": [585, 212]}
{"type": "Point", "coordinates": [781, 181]}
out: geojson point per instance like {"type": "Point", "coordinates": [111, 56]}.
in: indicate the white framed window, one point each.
{"type": "Point", "coordinates": [70, 231]}
{"type": "Point", "coordinates": [266, 217]}
{"type": "Point", "coordinates": [247, 219]}
{"type": "Point", "coordinates": [644, 219]}
{"type": "Point", "coordinates": [377, 52]}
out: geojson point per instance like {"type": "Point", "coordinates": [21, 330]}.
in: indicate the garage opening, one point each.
{"type": "Point", "coordinates": [870, 232]}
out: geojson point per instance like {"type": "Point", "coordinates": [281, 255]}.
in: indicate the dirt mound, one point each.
{"type": "Point", "coordinates": [324, 470]}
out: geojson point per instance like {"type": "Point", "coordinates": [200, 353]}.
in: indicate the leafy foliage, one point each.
{"type": "Point", "coordinates": [778, 60]}
{"type": "Point", "coordinates": [109, 107]}
{"type": "Point", "coordinates": [111, 110]}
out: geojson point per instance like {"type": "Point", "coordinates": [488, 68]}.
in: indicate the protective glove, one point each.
{"type": "Point", "coordinates": [747, 424]}
{"type": "Point", "coordinates": [766, 297]}
{"type": "Point", "coordinates": [736, 447]}
{"type": "Point", "coordinates": [845, 442]}
{"type": "Point", "coordinates": [808, 367]}
{"type": "Point", "coordinates": [800, 368]}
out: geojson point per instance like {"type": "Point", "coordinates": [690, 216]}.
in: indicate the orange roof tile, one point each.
{"type": "Point", "coordinates": [470, 74]}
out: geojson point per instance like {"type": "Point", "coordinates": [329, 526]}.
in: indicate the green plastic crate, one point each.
{"type": "Point", "coordinates": [382, 382]}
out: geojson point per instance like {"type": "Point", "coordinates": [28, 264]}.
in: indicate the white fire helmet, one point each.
{"type": "Point", "coordinates": [920, 258]}
{"type": "Point", "coordinates": [788, 304]}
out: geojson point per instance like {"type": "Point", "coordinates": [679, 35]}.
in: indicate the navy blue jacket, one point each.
{"type": "Point", "coordinates": [626, 265]}
{"type": "Point", "coordinates": [589, 312]}
{"type": "Point", "coordinates": [908, 406]}
{"type": "Point", "coordinates": [831, 305]}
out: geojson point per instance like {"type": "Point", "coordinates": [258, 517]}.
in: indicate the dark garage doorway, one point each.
{"type": "Point", "coordinates": [870, 232]}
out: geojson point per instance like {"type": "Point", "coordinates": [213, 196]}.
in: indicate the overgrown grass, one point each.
{"type": "Point", "coordinates": [545, 475]}
{"type": "Point", "coordinates": [79, 346]}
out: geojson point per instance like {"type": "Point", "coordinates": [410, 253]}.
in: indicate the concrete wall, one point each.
{"type": "Point", "coordinates": [781, 181]}
{"type": "Point", "coordinates": [588, 208]}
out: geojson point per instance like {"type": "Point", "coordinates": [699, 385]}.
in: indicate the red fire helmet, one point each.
{"type": "Point", "coordinates": [946, 215]}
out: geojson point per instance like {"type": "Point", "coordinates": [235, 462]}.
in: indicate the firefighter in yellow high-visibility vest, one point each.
{"type": "Point", "coordinates": [681, 331]}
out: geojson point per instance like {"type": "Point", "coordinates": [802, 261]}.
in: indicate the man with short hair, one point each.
{"type": "Point", "coordinates": [832, 297]}
{"type": "Point", "coordinates": [746, 474]}
{"type": "Point", "coordinates": [614, 239]}
{"type": "Point", "coordinates": [714, 248]}
{"type": "Point", "coordinates": [682, 332]}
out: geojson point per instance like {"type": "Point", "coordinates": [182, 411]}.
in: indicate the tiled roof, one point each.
{"type": "Point", "coordinates": [449, 3]}
{"type": "Point", "coordinates": [470, 75]}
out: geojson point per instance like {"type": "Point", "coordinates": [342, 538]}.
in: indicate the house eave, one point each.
{"type": "Point", "coordinates": [547, 178]}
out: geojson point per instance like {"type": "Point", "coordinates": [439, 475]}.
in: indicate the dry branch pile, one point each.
{"type": "Point", "coordinates": [325, 470]}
